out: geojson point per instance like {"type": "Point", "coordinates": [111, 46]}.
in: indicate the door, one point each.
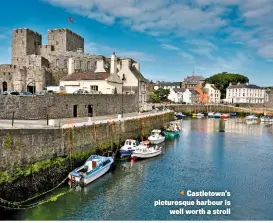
{"type": "Point", "coordinates": [31, 89]}
{"type": "Point", "coordinates": [90, 110]}
{"type": "Point", "coordinates": [5, 86]}
{"type": "Point", "coordinates": [75, 111]}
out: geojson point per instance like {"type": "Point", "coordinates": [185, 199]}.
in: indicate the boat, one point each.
{"type": "Point", "coordinates": [194, 115]}
{"type": "Point", "coordinates": [129, 146]}
{"type": "Point", "coordinates": [251, 119]}
{"type": "Point", "coordinates": [200, 115]}
{"type": "Point", "coordinates": [180, 115]}
{"type": "Point", "coordinates": [225, 116]}
{"type": "Point", "coordinates": [156, 137]}
{"type": "Point", "coordinates": [144, 150]}
{"type": "Point", "coordinates": [266, 119]}
{"type": "Point", "coordinates": [211, 115]}
{"type": "Point", "coordinates": [233, 114]}
{"type": "Point", "coordinates": [94, 167]}
{"type": "Point", "coordinates": [217, 115]}
{"type": "Point", "coordinates": [172, 131]}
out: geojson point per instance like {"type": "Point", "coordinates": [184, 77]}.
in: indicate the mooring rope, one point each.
{"type": "Point", "coordinates": [29, 199]}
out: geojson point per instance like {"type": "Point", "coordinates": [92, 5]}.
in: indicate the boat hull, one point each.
{"type": "Point", "coordinates": [124, 153]}
{"type": "Point", "coordinates": [146, 155]}
{"type": "Point", "coordinates": [171, 133]}
{"type": "Point", "coordinates": [156, 141]}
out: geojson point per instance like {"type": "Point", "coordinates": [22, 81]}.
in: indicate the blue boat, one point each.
{"type": "Point", "coordinates": [94, 167]}
{"type": "Point", "coordinates": [233, 114]}
{"type": "Point", "coordinates": [180, 115]}
{"type": "Point", "coordinates": [129, 146]}
{"type": "Point", "coordinates": [217, 115]}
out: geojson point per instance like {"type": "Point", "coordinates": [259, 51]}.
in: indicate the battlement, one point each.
{"type": "Point", "coordinates": [27, 31]}
{"type": "Point", "coordinates": [65, 30]}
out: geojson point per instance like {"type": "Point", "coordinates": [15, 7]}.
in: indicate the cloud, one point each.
{"type": "Point", "coordinates": [187, 56]}
{"type": "Point", "coordinates": [241, 21]}
{"type": "Point", "coordinates": [169, 47]}
{"type": "Point", "coordinates": [97, 48]}
{"type": "Point", "coordinates": [266, 51]}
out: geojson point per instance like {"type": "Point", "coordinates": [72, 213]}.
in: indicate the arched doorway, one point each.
{"type": "Point", "coordinates": [5, 86]}
{"type": "Point", "coordinates": [31, 88]}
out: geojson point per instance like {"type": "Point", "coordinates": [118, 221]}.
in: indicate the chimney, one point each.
{"type": "Point", "coordinates": [71, 66]}
{"type": "Point", "coordinates": [125, 63]}
{"type": "Point", "coordinates": [113, 68]}
{"type": "Point", "coordinates": [100, 66]}
{"type": "Point", "coordinates": [137, 66]}
{"type": "Point", "coordinates": [238, 83]}
{"type": "Point", "coordinates": [230, 83]}
{"type": "Point", "coordinates": [247, 83]}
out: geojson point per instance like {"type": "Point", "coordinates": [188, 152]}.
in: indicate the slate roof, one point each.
{"type": "Point", "coordinates": [194, 92]}
{"type": "Point", "coordinates": [167, 83]}
{"type": "Point", "coordinates": [193, 79]}
{"type": "Point", "coordinates": [179, 89]}
{"type": "Point", "coordinates": [138, 75]}
{"type": "Point", "coordinates": [86, 76]}
{"type": "Point", "coordinates": [250, 86]}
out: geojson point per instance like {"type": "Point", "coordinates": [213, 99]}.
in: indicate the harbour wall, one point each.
{"type": "Point", "coordinates": [189, 109]}
{"type": "Point", "coordinates": [34, 161]}
{"type": "Point", "coordinates": [57, 106]}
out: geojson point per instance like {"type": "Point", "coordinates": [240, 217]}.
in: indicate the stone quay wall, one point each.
{"type": "Point", "coordinates": [57, 106]}
{"type": "Point", "coordinates": [34, 161]}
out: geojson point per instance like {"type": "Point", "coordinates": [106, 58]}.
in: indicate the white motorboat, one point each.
{"type": "Point", "coordinates": [156, 137]}
{"type": "Point", "coordinates": [266, 119]}
{"type": "Point", "coordinates": [200, 115]}
{"type": "Point", "coordinates": [251, 119]}
{"type": "Point", "coordinates": [144, 150]}
{"type": "Point", "coordinates": [94, 167]}
{"type": "Point", "coordinates": [211, 115]}
{"type": "Point", "coordinates": [129, 146]}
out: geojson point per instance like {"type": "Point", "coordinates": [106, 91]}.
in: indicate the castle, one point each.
{"type": "Point", "coordinates": [35, 66]}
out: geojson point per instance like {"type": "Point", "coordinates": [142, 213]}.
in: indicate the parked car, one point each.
{"type": "Point", "coordinates": [80, 91]}
{"type": "Point", "coordinates": [41, 92]}
{"type": "Point", "coordinates": [11, 93]}
{"type": "Point", "coordinates": [26, 93]}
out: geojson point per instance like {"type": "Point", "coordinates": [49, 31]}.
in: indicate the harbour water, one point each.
{"type": "Point", "coordinates": [210, 155]}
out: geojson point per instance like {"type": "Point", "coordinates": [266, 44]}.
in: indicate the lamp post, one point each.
{"type": "Point", "coordinates": [123, 79]}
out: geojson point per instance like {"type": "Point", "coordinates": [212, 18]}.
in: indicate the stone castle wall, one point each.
{"type": "Point", "coordinates": [62, 106]}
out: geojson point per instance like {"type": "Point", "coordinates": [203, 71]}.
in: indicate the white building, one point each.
{"type": "Point", "coordinates": [180, 95]}
{"type": "Point", "coordinates": [245, 93]}
{"type": "Point", "coordinates": [100, 81]}
{"type": "Point", "coordinates": [214, 94]}
{"type": "Point", "coordinates": [133, 81]}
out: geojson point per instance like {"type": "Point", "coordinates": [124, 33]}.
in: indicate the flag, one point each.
{"type": "Point", "coordinates": [70, 19]}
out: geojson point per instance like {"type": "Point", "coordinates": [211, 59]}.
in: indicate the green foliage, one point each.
{"type": "Point", "coordinates": [160, 95]}
{"type": "Point", "coordinates": [222, 80]}
{"type": "Point", "coordinates": [8, 142]}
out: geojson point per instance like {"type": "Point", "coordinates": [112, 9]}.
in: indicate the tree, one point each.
{"type": "Point", "coordinates": [160, 95]}
{"type": "Point", "coordinates": [222, 80]}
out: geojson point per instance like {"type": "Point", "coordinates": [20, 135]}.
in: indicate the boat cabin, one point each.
{"type": "Point", "coordinates": [131, 142]}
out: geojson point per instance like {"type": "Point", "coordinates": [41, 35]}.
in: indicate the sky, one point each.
{"type": "Point", "coordinates": [169, 38]}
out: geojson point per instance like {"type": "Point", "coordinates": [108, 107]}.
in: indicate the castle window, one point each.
{"type": "Point", "coordinates": [57, 62]}
{"type": "Point", "coordinates": [81, 65]}
{"type": "Point", "coordinates": [88, 65]}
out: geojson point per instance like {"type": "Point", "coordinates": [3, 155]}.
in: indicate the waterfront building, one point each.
{"type": "Point", "coordinates": [101, 81]}
{"type": "Point", "coordinates": [192, 82]}
{"type": "Point", "coordinates": [195, 97]}
{"type": "Point", "coordinates": [245, 93]}
{"type": "Point", "coordinates": [214, 94]}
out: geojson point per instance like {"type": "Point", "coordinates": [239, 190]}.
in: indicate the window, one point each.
{"type": "Point", "coordinates": [94, 87]}
{"type": "Point", "coordinates": [57, 62]}
{"type": "Point", "coordinates": [81, 64]}
{"type": "Point", "coordinates": [88, 65]}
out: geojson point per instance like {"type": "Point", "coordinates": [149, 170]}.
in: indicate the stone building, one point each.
{"type": "Point", "coordinates": [193, 82]}
{"type": "Point", "coordinates": [35, 66]}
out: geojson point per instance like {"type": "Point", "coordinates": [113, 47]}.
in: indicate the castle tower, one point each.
{"type": "Point", "coordinates": [65, 40]}
{"type": "Point", "coordinates": [24, 42]}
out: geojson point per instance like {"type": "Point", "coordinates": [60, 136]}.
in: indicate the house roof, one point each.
{"type": "Point", "coordinates": [86, 76]}
{"type": "Point", "coordinates": [193, 79]}
{"type": "Point", "coordinates": [250, 86]}
{"type": "Point", "coordinates": [194, 92]}
{"type": "Point", "coordinates": [179, 89]}
{"type": "Point", "coordinates": [162, 83]}
{"type": "Point", "coordinates": [138, 75]}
